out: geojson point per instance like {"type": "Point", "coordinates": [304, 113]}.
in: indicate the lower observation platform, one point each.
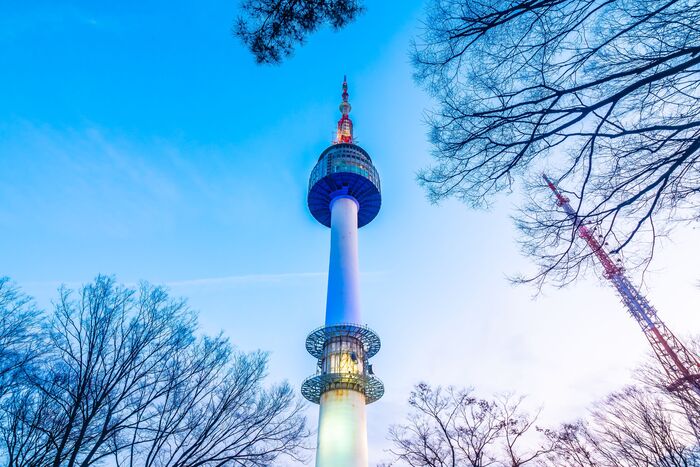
{"type": "Point", "coordinates": [371, 386]}
{"type": "Point", "coordinates": [343, 352]}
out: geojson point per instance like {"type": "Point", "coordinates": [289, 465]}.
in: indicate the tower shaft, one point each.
{"type": "Point", "coordinates": [342, 422]}
{"type": "Point", "coordinates": [681, 366]}
{"type": "Point", "coordinates": [343, 300]}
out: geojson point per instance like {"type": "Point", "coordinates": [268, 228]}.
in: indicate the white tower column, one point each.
{"type": "Point", "coordinates": [342, 429]}
{"type": "Point", "coordinates": [343, 300]}
{"type": "Point", "coordinates": [342, 424]}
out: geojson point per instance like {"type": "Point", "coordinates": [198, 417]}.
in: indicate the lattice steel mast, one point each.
{"type": "Point", "coordinates": [681, 365]}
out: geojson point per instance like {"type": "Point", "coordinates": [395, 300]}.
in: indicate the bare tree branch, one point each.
{"type": "Point", "coordinates": [271, 29]}
{"type": "Point", "coordinates": [603, 93]}
{"type": "Point", "coordinates": [125, 377]}
{"type": "Point", "coordinates": [450, 428]}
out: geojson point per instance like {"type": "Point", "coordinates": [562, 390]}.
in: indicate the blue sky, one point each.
{"type": "Point", "coordinates": [142, 141]}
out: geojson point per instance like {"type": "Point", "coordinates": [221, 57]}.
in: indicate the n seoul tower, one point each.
{"type": "Point", "coordinates": [344, 194]}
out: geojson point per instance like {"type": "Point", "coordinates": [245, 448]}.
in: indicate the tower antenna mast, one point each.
{"type": "Point", "coordinates": [680, 364]}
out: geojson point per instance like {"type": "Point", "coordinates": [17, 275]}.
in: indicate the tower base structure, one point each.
{"type": "Point", "coordinates": [342, 429]}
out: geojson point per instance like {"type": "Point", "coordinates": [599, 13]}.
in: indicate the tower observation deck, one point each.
{"type": "Point", "coordinates": [344, 194]}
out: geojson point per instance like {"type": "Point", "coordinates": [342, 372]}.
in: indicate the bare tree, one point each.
{"type": "Point", "coordinates": [634, 427]}
{"type": "Point", "coordinates": [683, 402]}
{"type": "Point", "coordinates": [271, 29]}
{"type": "Point", "coordinates": [19, 336]}
{"type": "Point", "coordinates": [27, 421]}
{"type": "Point", "coordinates": [450, 427]}
{"type": "Point", "coordinates": [125, 377]}
{"type": "Point", "coordinates": [602, 92]}
{"type": "Point", "coordinates": [518, 430]}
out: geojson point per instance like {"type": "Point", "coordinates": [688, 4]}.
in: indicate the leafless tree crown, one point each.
{"type": "Point", "coordinates": [637, 426]}
{"type": "Point", "coordinates": [450, 427]}
{"type": "Point", "coordinates": [634, 427]}
{"type": "Point", "coordinates": [271, 29]}
{"type": "Point", "coordinates": [19, 335]}
{"type": "Point", "coordinates": [604, 93]}
{"type": "Point", "coordinates": [124, 377]}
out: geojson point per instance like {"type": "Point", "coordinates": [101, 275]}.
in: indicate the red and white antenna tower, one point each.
{"type": "Point", "coordinates": [681, 365]}
{"type": "Point", "coordinates": [344, 132]}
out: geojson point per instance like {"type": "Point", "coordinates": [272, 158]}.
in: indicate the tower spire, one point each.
{"type": "Point", "coordinates": [344, 133]}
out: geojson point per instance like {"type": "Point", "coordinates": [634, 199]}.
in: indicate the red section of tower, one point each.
{"type": "Point", "coordinates": [344, 134]}
{"type": "Point", "coordinates": [681, 365]}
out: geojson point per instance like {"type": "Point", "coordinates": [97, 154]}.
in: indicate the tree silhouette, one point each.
{"type": "Point", "coordinates": [450, 427]}
{"type": "Point", "coordinates": [124, 376]}
{"type": "Point", "coordinates": [634, 427]}
{"type": "Point", "coordinates": [19, 335]}
{"type": "Point", "coordinates": [272, 29]}
{"type": "Point", "coordinates": [604, 93]}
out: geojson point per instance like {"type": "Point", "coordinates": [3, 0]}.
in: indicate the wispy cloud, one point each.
{"type": "Point", "coordinates": [245, 279]}
{"type": "Point", "coordinates": [242, 279]}
{"type": "Point", "coordinates": [28, 18]}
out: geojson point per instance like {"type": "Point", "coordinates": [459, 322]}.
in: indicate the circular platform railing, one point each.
{"type": "Point", "coordinates": [318, 337]}
{"type": "Point", "coordinates": [371, 386]}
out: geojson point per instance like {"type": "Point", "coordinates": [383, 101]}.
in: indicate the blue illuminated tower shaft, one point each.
{"type": "Point", "coordinates": [344, 194]}
{"type": "Point", "coordinates": [681, 365]}
{"type": "Point", "coordinates": [343, 299]}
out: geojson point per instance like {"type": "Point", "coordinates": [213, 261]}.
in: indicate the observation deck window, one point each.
{"type": "Point", "coordinates": [338, 356]}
